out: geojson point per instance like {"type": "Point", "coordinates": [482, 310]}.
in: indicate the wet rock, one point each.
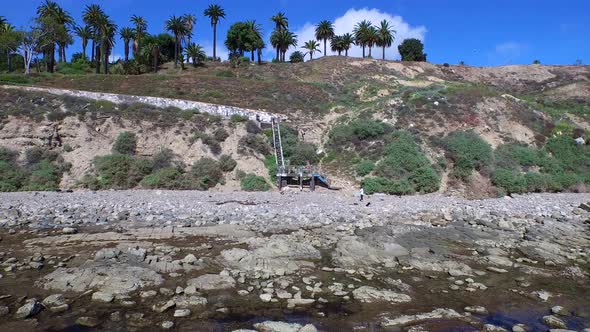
{"type": "Point", "coordinates": [102, 297]}
{"type": "Point", "coordinates": [265, 297]}
{"type": "Point", "coordinates": [413, 319]}
{"type": "Point", "coordinates": [69, 230]}
{"type": "Point", "coordinates": [496, 270]}
{"type": "Point", "coordinates": [519, 328]}
{"type": "Point", "coordinates": [107, 253]}
{"type": "Point", "coordinates": [493, 328]}
{"type": "Point", "coordinates": [183, 301]}
{"type": "Point", "coordinates": [30, 308]}
{"type": "Point", "coordinates": [182, 313]}
{"type": "Point", "coordinates": [146, 294]}
{"type": "Point", "coordinates": [369, 294]}
{"type": "Point", "coordinates": [212, 282]}
{"type": "Point", "coordinates": [87, 321]}
{"type": "Point", "coordinates": [4, 310]}
{"type": "Point", "coordinates": [190, 259]}
{"type": "Point", "coordinates": [164, 307]}
{"type": "Point", "coordinates": [166, 325]}
{"type": "Point", "coordinates": [56, 303]}
{"type": "Point", "coordinates": [275, 326]}
{"type": "Point", "coordinates": [559, 310]}
{"type": "Point", "coordinates": [476, 310]}
{"type": "Point", "coordinates": [107, 277]}
{"type": "Point", "coordinates": [555, 322]}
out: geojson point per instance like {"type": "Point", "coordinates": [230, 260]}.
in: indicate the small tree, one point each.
{"type": "Point", "coordinates": [412, 50]}
{"type": "Point", "coordinates": [536, 62]}
{"type": "Point", "coordinates": [296, 57]}
{"type": "Point", "coordinates": [126, 143]}
{"type": "Point", "coordinates": [29, 43]}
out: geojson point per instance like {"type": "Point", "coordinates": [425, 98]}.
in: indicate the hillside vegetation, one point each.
{"type": "Point", "coordinates": [397, 128]}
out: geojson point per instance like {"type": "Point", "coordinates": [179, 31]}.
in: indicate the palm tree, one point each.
{"type": "Point", "coordinates": [384, 36]}
{"type": "Point", "coordinates": [255, 40]}
{"type": "Point", "coordinates": [140, 28]}
{"type": "Point", "coordinates": [324, 31]}
{"type": "Point", "coordinates": [92, 16]}
{"type": "Point", "coordinates": [371, 38]}
{"type": "Point", "coordinates": [176, 26]}
{"type": "Point", "coordinates": [50, 11]}
{"type": "Point", "coordinates": [214, 12]}
{"type": "Point", "coordinates": [108, 31]}
{"type": "Point", "coordinates": [153, 51]}
{"type": "Point", "coordinates": [282, 40]}
{"type": "Point", "coordinates": [196, 53]}
{"type": "Point", "coordinates": [127, 34]}
{"type": "Point", "coordinates": [189, 22]}
{"type": "Point", "coordinates": [347, 40]}
{"type": "Point", "coordinates": [85, 34]}
{"type": "Point", "coordinates": [12, 41]}
{"type": "Point", "coordinates": [281, 23]}
{"type": "Point", "coordinates": [336, 45]}
{"type": "Point", "coordinates": [3, 22]}
{"type": "Point", "coordinates": [360, 34]}
{"type": "Point", "coordinates": [311, 46]}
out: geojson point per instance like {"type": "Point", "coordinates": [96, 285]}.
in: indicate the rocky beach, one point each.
{"type": "Point", "coordinates": [201, 261]}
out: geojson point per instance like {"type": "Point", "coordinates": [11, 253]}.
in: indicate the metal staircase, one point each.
{"type": "Point", "coordinates": [278, 146]}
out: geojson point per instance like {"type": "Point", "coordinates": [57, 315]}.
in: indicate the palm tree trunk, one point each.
{"type": "Point", "coordinates": [106, 60]}
{"type": "Point", "coordinates": [346, 53]}
{"type": "Point", "coordinates": [214, 42]}
{"type": "Point", "coordinates": [363, 51]}
{"type": "Point", "coordinates": [310, 56]}
{"type": "Point", "coordinates": [9, 59]}
{"type": "Point", "coordinates": [278, 60]}
{"type": "Point", "coordinates": [259, 56]}
{"type": "Point", "coordinates": [97, 61]}
{"type": "Point", "coordinates": [155, 62]}
{"type": "Point", "coordinates": [176, 53]}
{"type": "Point", "coordinates": [325, 40]}
{"type": "Point", "coordinates": [126, 50]}
{"type": "Point", "coordinates": [92, 57]}
{"type": "Point", "coordinates": [252, 56]}
{"type": "Point", "coordinates": [370, 56]}
{"type": "Point", "coordinates": [383, 53]}
{"type": "Point", "coordinates": [84, 49]}
{"type": "Point", "coordinates": [52, 58]}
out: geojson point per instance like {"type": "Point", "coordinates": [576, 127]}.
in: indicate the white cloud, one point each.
{"type": "Point", "coordinates": [507, 53]}
{"type": "Point", "coordinates": [346, 23]}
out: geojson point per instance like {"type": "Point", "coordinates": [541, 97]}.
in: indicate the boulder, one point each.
{"type": "Point", "coordinates": [30, 308]}
{"type": "Point", "coordinates": [212, 282]}
{"type": "Point", "coordinates": [369, 294]}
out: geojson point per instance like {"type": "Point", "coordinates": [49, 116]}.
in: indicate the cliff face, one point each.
{"type": "Point", "coordinates": [512, 104]}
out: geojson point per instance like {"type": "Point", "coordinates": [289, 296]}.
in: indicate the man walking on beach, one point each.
{"type": "Point", "coordinates": [362, 193]}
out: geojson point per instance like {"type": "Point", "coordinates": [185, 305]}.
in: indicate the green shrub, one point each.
{"type": "Point", "coordinates": [220, 135]}
{"type": "Point", "coordinates": [236, 118]}
{"type": "Point", "coordinates": [7, 155]}
{"type": "Point", "coordinates": [207, 173]}
{"type": "Point", "coordinates": [166, 178]}
{"type": "Point", "coordinates": [515, 155]}
{"type": "Point", "coordinates": [373, 185]}
{"type": "Point", "coordinates": [271, 165]}
{"type": "Point", "coordinates": [468, 151]}
{"type": "Point", "coordinates": [121, 171]}
{"type": "Point", "coordinates": [74, 68]}
{"type": "Point", "coordinates": [210, 141]}
{"type": "Point", "coordinates": [163, 159]}
{"type": "Point", "coordinates": [227, 163]}
{"type": "Point", "coordinates": [251, 182]}
{"type": "Point", "coordinates": [11, 178]}
{"type": "Point", "coordinates": [425, 179]}
{"type": "Point", "coordinates": [302, 154]}
{"type": "Point", "coordinates": [360, 129]}
{"type": "Point", "coordinates": [15, 78]}
{"type": "Point", "coordinates": [43, 177]}
{"type": "Point", "coordinates": [126, 143]}
{"type": "Point", "coordinates": [36, 154]}
{"type": "Point", "coordinates": [365, 167]}
{"type": "Point", "coordinates": [253, 143]}
{"type": "Point", "coordinates": [571, 157]}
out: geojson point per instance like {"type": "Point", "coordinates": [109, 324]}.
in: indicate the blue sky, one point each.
{"type": "Point", "coordinates": [479, 32]}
